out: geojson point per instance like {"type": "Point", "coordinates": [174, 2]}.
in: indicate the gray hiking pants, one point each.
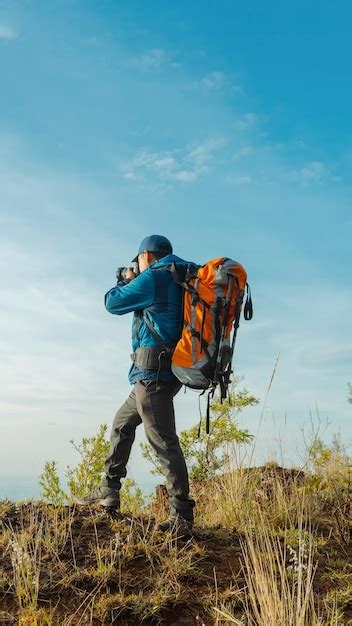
{"type": "Point", "coordinates": [152, 405]}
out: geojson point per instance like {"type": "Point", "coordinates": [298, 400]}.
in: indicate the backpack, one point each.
{"type": "Point", "coordinates": [212, 302]}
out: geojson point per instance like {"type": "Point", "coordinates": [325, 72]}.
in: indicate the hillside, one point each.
{"type": "Point", "coordinates": [286, 548]}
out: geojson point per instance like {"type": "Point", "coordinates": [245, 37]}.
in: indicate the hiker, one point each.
{"type": "Point", "coordinates": [156, 301]}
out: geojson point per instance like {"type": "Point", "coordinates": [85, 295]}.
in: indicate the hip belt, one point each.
{"type": "Point", "coordinates": [157, 358]}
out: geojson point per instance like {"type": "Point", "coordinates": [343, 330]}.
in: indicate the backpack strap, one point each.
{"type": "Point", "coordinates": [138, 316]}
{"type": "Point", "coordinates": [248, 307]}
{"type": "Point", "coordinates": [145, 315]}
{"type": "Point", "coordinates": [198, 336]}
{"type": "Point", "coordinates": [156, 335]}
{"type": "Point", "coordinates": [207, 420]}
{"type": "Point", "coordinates": [182, 273]}
{"type": "Point", "coordinates": [200, 413]}
{"type": "Point", "coordinates": [181, 277]}
{"type": "Point", "coordinates": [231, 288]}
{"type": "Point", "coordinates": [226, 375]}
{"type": "Point", "coordinates": [149, 353]}
{"type": "Point", "coordinates": [207, 415]}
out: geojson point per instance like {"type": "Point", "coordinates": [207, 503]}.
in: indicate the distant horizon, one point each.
{"type": "Point", "coordinates": [24, 487]}
{"type": "Point", "coordinates": [27, 487]}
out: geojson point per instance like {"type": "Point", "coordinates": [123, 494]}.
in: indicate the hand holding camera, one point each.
{"type": "Point", "coordinates": [127, 273]}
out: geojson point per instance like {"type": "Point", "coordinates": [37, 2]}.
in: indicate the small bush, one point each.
{"type": "Point", "coordinates": [132, 499]}
{"type": "Point", "coordinates": [86, 476]}
{"type": "Point", "coordinates": [49, 483]}
{"type": "Point", "coordinates": [207, 456]}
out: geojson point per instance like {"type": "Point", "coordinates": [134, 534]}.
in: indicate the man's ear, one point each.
{"type": "Point", "coordinates": [150, 258]}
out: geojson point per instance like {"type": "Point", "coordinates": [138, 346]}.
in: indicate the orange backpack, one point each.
{"type": "Point", "coordinates": [213, 296]}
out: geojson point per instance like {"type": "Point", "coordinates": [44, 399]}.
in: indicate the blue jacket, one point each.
{"type": "Point", "coordinates": [155, 291]}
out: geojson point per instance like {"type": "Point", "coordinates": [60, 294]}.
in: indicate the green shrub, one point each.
{"type": "Point", "coordinates": [86, 476]}
{"type": "Point", "coordinates": [206, 457]}
{"type": "Point", "coordinates": [49, 483]}
{"type": "Point", "coordinates": [132, 499]}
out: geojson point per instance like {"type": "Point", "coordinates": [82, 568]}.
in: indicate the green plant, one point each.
{"type": "Point", "coordinates": [330, 479]}
{"type": "Point", "coordinates": [86, 476]}
{"type": "Point", "coordinates": [208, 455]}
{"type": "Point", "coordinates": [49, 483]}
{"type": "Point", "coordinates": [321, 454]}
{"type": "Point", "coordinates": [80, 479]}
{"type": "Point", "coordinates": [132, 499]}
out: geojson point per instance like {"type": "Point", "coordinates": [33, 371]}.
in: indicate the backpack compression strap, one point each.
{"type": "Point", "coordinates": [248, 307]}
{"type": "Point", "coordinates": [248, 314]}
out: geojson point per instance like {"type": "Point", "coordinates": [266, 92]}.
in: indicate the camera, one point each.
{"type": "Point", "coordinates": [121, 272]}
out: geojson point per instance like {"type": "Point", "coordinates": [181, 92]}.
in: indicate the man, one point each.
{"type": "Point", "coordinates": [156, 301]}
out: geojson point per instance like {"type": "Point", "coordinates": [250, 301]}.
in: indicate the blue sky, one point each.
{"type": "Point", "coordinates": [225, 126]}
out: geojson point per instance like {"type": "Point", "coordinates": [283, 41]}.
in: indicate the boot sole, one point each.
{"type": "Point", "coordinates": [177, 532]}
{"type": "Point", "coordinates": [181, 535]}
{"type": "Point", "coordinates": [109, 503]}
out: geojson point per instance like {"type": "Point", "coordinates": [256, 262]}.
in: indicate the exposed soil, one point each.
{"type": "Point", "coordinates": [69, 579]}
{"type": "Point", "coordinates": [76, 578]}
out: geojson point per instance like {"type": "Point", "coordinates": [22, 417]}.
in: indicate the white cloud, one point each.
{"type": "Point", "coordinates": [162, 164]}
{"type": "Point", "coordinates": [204, 151]}
{"type": "Point", "coordinates": [213, 81]}
{"type": "Point", "coordinates": [153, 59]}
{"type": "Point", "coordinates": [244, 152]}
{"type": "Point", "coordinates": [313, 172]}
{"type": "Point", "coordinates": [130, 175]}
{"type": "Point", "coordinates": [245, 121]}
{"type": "Point", "coordinates": [183, 165]}
{"type": "Point", "coordinates": [216, 81]}
{"type": "Point", "coordinates": [162, 161]}
{"type": "Point", "coordinates": [186, 176]}
{"type": "Point", "coordinates": [7, 33]}
{"type": "Point", "coordinates": [241, 180]}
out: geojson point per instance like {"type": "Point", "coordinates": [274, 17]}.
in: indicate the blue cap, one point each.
{"type": "Point", "coordinates": [154, 243]}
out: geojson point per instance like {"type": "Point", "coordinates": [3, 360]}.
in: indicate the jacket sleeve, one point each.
{"type": "Point", "coordinates": [133, 296]}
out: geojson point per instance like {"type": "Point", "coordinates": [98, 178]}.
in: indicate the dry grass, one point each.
{"type": "Point", "coordinates": [279, 578]}
{"type": "Point", "coordinates": [271, 547]}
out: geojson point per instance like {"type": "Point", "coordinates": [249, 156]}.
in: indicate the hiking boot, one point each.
{"type": "Point", "coordinates": [178, 525]}
{"type": "Point", "coordinates": [106, 496]}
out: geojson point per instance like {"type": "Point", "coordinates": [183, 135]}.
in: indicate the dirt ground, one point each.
{"type": "Point", "coordinates": [72, 560]}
